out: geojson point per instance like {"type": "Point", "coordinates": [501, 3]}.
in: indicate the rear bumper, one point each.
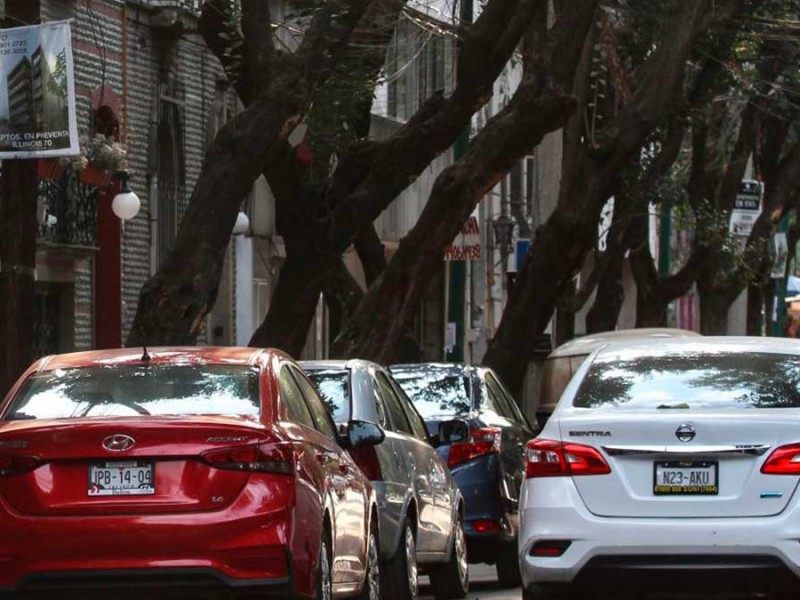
{"type": "Point", "coordinates": [241, 547]}
{"type": "Point", "coordinates": [133, 583]}
{"type": "Point", "coordinates": [553, 510]}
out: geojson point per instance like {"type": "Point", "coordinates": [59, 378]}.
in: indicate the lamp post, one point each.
{"type": "Point", "coordinates": [503, 235]}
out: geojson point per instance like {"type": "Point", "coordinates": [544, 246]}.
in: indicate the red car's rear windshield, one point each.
{"type": "Point", "coordinates": [131, 390]}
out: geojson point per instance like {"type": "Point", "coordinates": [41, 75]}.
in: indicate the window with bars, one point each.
{"type": "Point", "coordinates": [170, 166]}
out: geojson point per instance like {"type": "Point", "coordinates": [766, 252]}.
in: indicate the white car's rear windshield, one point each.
{"type": "Point", "coordinates": [131, 390]}
{"type": "Point", "coordinates": [691, 381]}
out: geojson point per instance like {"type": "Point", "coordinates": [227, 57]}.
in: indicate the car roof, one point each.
{"type": "Point", "coordinates": [178, 355]}
{"type": "Point", "coordinates": [589, 343]}
{"type": "Point", "coordinates": [701, 345]}
{"type": "Point", "coordinates": [459, 368]}
{"type": "Point", "coordinates": [352, 363]}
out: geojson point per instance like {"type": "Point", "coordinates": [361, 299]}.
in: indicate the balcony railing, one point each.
{"type": "Point", "coordinates": [67, 212]}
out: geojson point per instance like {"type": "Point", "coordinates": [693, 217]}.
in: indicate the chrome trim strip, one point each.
{"type": "Point", "coordinates": [739, 449]}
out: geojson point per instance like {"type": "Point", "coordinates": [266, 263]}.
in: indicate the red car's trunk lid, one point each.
{"type": "Point", "coordinates": [140, 465]}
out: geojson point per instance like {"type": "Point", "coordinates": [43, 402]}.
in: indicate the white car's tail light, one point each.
{"type": "Point", "coordinates": [263, 458]}
{"type": "Point", "coordinates": [784, 460]}
{"type": "Point", "coordinates": [548, 458]}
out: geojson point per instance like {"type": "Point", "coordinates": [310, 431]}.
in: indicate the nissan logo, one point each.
{"type": "Point", "coordinates": [118, 442]}
{"type": "Point", "coordinates": [685, 433]}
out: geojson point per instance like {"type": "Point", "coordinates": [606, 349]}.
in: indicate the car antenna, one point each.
{"type": "Point", "coordinates": [145, 355]}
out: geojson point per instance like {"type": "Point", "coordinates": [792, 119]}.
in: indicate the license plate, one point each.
{"type": "Point", "coordinates": [686, 478]}
{"type": "Point", "coordinates": [121, 478]}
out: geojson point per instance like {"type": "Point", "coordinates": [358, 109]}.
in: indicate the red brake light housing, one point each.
{"type": "Point", "coordinates": [13, 464]}
{"type": "Point", "coordinates": [480, 442]}
{"type": "Point", "coordinates": [548, 458]}
{"type": "Point", "coordinates": [259, 458]}
{"type": "Point", "coordinates": [784, 460]}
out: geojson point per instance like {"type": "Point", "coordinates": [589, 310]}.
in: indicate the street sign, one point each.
{"type": "Point", "coordinates": [746, 208]}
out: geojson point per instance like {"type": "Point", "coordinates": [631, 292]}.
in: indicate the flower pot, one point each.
{"type": "Point", "coordinates": [95, 176]}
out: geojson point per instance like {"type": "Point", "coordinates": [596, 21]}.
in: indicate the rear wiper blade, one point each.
{"type": "Point", "coordinates": [679, 405]}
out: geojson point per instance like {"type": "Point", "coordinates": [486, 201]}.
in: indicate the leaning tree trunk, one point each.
{"type": "Point", "coordinates": [562, 243]}
{"type": "Point", "coordinates": [604, 314]}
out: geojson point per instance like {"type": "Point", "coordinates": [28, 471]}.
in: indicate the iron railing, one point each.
{"type": "Point", "coordinates": [67, 211]}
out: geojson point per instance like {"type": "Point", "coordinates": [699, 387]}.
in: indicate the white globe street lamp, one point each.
{"type": "Point", "coordinates": [126, 204]}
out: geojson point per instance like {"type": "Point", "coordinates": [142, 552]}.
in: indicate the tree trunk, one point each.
{"type": "Point", "coordinates": [587, 178]}
{"type": "Point", "coordinates": [175, 300]}
{"type": "Point", "coordinates": [604, 314]}
{"type": "Point", "coordinates": [755, 309]}
{"type": "Point", "coordinates": [713, 312]}
{"type": "Point", "coordinates": [19, 186]}
{"type": "Point", "coordinates": [17, 267]}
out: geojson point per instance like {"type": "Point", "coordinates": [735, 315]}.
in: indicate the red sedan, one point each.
{"type": "Point", "coordinates": [185, 470]}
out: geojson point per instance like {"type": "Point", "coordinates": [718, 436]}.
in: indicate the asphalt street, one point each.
{"type": "Point", "coordinates": [483, 585]}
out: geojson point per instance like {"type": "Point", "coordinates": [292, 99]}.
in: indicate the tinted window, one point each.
{"type": "Point", "coordinates": [320, 414]}
{"type": "Point", "coordinates": [691, 381]}
{"type": "Point", "coordinates": [417, 424]}
{"type": "Point", "coordinates": [399, 418]}
{"type": "Point", "coordinates": [333, 386]}
{"type": "Point", "coordinates": [130, 390]}
{"type": "Point", "coordinates": [436, 392]}
{"type": "Point", "coordinates": [504, 403]}
{"type": "Point", "coordinates": [293, 400]}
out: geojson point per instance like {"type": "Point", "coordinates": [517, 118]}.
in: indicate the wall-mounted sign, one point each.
{"type": "Point", "coordinates": [467, 245]}
{"type": "Point", "coordinates": [37, 92]}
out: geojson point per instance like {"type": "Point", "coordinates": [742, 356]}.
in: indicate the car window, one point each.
{"type": "Point", "coordinates": [488, 401]}
{"type": "Point", "coordinates": [320, 414]}
{"type": "Point", "coordinates": [392, 403]}
{"type": "Point", "coordinates": [686, 381]}
{"type": "Point", "coordinates": [292, 397]}
{"type": "Point", "coordinates": [380, 408]}
{"type": "Point", "coordinates": [333, 386]}
{"type": "Point", "coordinates": [417, 424]}
{"type": "Point", "coordinates": [131, 390]}
{"type": "Point", "coordinates": [504, 403]}
{"type": "Point", "coordinates": [436, 393]}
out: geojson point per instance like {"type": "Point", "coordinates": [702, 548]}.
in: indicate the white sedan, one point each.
{"type": "Point", "coordinates": [675, 462]}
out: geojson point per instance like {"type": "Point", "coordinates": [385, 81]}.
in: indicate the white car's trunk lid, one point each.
{"type": "Point", "coordinates": [677, 463]}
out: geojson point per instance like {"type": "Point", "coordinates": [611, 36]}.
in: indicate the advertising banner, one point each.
{"type": "Point", "coordinates": [37, 92]}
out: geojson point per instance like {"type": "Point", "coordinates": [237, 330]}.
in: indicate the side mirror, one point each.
{"type": "Point", "coordinates": [456, 430]}
{"type": "Point", "coordinates": [364, 433]}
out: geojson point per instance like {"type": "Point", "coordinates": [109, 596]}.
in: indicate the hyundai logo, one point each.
{"type": "Point", "coordinates": [118, 442]}
{"type": "Point", "coordinates": [685, 433]}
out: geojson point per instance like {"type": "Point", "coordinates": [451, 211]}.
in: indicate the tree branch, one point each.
{"type": "Point", "coordinates": [259, 47]}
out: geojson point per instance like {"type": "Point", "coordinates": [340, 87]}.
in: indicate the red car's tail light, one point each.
{"type": "Point", "coordinates": [366, 458]}
{"type": "Point", "coordinates": [784, 460]}
{"type": "Point", "coordinates": [548, 458]}
{"type": "Point", "coordinates": [12, 464]}
{"type": "Point", "coordinates": [263, 458]}
{"type": "Point", "coordinates": [480, 442]}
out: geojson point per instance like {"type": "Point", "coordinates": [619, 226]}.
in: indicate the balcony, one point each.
{"type": "Point", "coordinates": [67, 213]}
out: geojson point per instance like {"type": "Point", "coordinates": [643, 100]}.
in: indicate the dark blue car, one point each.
{"type": "Point", "coordinates": [481, 433]}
